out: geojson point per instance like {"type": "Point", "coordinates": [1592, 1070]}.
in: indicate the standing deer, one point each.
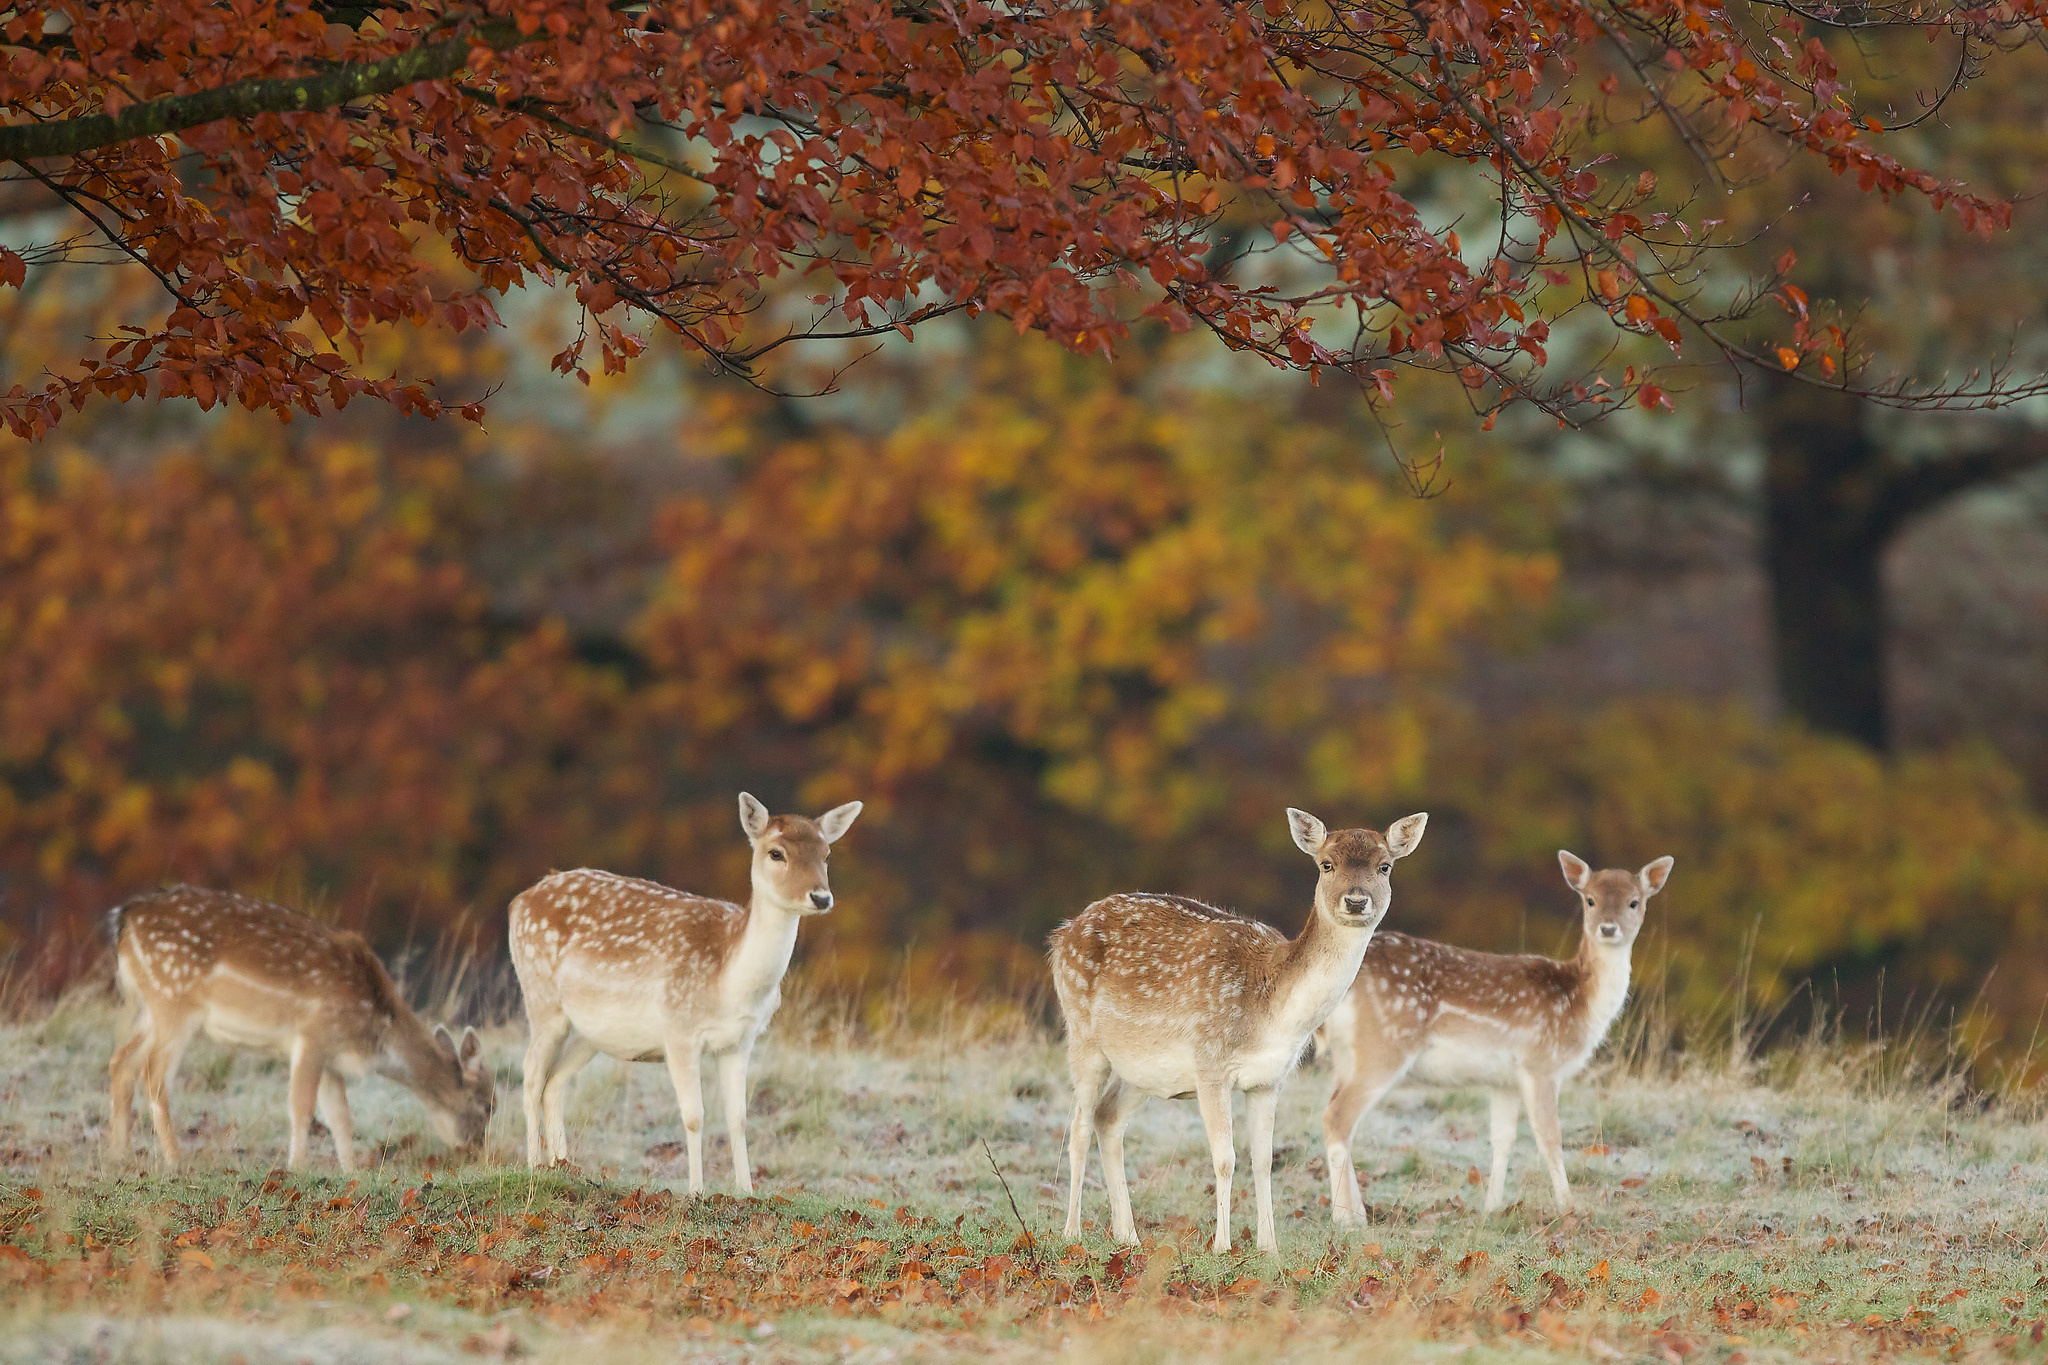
{"type": "Point", "coordinates": [253, 974]}
{"type": "Point", "coordinates": [639, 972]}
{"type": "Point", "coordinates": [1167, 996]}
{"type": "Point", "coordinates": [1517, 1026]}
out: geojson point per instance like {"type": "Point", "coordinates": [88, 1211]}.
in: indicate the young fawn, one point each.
{"type": "Point", "coordinates": [257, 975]}
{"type": "Point", "coordinates": [1167, 996]}
{"type": "Point", "coordinates": [1518, 1027]}
{"type": "Point", "coordinates": [639, 972]}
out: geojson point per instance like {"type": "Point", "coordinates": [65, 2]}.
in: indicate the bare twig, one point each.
{"type": "Point", "coordinates": [1030, 1238]}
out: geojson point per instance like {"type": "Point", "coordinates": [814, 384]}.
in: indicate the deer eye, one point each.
{"type": "Point", "coordinates": [1386, 867]}
{"type": "Point", "coordinates": [1329, 866]}
{"type": "Point", "coordinates": [1633, 904]}
{"type": "Point", "coordinates": [776, 854]}
{"type": "Point", "coordinates": [1589, 900]}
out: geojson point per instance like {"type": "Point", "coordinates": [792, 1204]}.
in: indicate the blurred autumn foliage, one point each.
{"type": "Point", "coordinates": [1067, 626]}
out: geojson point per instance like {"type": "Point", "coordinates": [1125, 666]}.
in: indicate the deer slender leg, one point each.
{"type": "Point", "coordinates": [683, 1070]}
{"type": "Point", "coordinates": [1111, 1117]}
{"type": "Point", "coordinates": [732, 1088]}
{"type": "Point", "coordinates": [127, 1069]}
{"type": "Point", "coordinates": [1090, 1071]}
{"type": "Point", "coordinates": [167, 1046]}
{"type": "Point", "coordinates": [1540, 1094]}
{"type": "Point", "coordinates": [1354, 1099]}
{"type": "Point", "coordinates": [1504, 1109]}
{"type": "Point", "coordinates": [1214, 1099]}
{"type": "Point", "coordinates": [1340, 1120]}
{"type": "Point", "coordinates": [574, 1056]}
{"type": "Point", "coordinates": [1259, 1106]}
{"type": "Point", "coordinates": [302, 1092]}
{"type": "Point", "coordinates": [547, 1031]}
{"type": "Point", "coordinates": [334, 1112]}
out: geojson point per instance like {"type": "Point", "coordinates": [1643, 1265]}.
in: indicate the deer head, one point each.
{"type": "Point", "coordinates": [790, 854]}
{"type": "Point", "coordinates": [461, 1099]}
{"type": "Point", "coordinates": [1615, 900]}
{"type": "Point", "coordinates": [1356, 885]}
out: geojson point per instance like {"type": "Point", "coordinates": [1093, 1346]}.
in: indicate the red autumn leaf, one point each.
{"type": "Point", "coordinates": [1007, 161]}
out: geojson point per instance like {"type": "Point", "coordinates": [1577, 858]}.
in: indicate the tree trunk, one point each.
{"type": "Point", "coordinates": [1824, 481]}
{"type": "Point", "coordinates": [1834, 499]}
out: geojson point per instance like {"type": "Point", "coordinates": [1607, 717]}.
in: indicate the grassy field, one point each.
{"type": "Point", "coordinates": [1819, 1205]}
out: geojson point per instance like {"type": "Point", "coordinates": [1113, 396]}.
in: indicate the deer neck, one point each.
{"type": "Point", "coordinates": [411, 1057]}
{"type": "Point", "coordinates": [761, 955]}
{"type": "Point", "coordinates": [1313, 971]}
{"type": "Point", "coordinates": [1604, 982]}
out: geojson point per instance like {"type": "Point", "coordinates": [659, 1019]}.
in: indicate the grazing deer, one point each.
{"type": "Point", "coordinates": [639, 972]}
{"type": "Point", "coordinates": [252, 974]}
{"type": "Point", "coordinates": [1516, 1026]}
{"type": "Point", "coordinates": [1167, 996]}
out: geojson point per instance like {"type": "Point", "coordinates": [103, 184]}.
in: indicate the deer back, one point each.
{"type": "Point", "coordinates": [1158, 967]}
{"type": "Point", "coordinates": [1488, 1008]}
{"type": "Point", "coordinates": [253, 966]}
{"type": "Point", "coordinates": [621, 935]}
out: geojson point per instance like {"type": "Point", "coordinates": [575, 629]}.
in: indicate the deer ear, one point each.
{"type": "Point", "coordinates": [472, 1047]}
{"type": "Point", "coordinates": [753, 816]}
{"type": "Point", "coordinates": [1307, 830]}
{"type": "Point", "coordinates": [444, 1040]}
{"type": "Point", "coordinates": [1575, 870]}
{"type": "Point", "coordinates": [1654, 875]}
{"type": "Point", "coordinates": [1404, 835]}
{"type": "Point", "coordinates": [834, 823]}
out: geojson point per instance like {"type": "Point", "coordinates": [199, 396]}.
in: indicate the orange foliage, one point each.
{"type": "Point", "coordinates": [252, 666]}
{"type": "Point", "coordinates": [1067, 632]}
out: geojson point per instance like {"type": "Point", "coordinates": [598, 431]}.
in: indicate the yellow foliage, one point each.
{"type": "Point", "coordinates": [1807, 855]}
{"type": "Point", "coordinates": [1066, 631]}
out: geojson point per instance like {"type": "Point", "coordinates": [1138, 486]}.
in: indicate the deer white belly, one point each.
{"type": "Point", "coordinates": [1168, 1073]}
{"type": "Point", "coordinates": [626, 1023]}
{"type": "Point", "coordinates": [1454, 1059]}
{"type": "Point", "coordinates": [239, 1029]}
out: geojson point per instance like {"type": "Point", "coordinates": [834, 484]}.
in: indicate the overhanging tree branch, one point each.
{"type": "Point", "coordinates": [23, 142]}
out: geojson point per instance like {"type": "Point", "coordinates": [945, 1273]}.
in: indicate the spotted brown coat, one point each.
{"type": "Point", "coordinates": [638, 971]}
{"type": "Point", "coordinates": [253, 974]}
{"type": "Point", "coordinates": [1166, 996]}
{"type": "Point", "coordinates": [1517, 1026]}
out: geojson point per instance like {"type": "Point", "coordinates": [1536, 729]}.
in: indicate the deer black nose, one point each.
{"type": "Point", "coordinates": [1610, 931]}
{"type": "Point", "coordinates": [1356, 901]}
{"type": "Point", "coordinates": [822, 899]}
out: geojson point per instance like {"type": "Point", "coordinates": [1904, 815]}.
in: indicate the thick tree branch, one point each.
{"type": "Point", "coordinates": [1914, 488]}
{"type": "Point", "coordinates": [24, 142]}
